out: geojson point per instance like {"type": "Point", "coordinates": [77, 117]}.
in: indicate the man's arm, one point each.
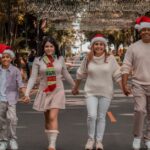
{"type": "Point", "coordinates": [125, 87]}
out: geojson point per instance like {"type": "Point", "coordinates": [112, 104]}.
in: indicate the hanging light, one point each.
{"type": "Point", "coordinates": [92, 10]}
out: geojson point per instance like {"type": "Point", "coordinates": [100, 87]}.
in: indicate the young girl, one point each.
{"type": "Point", "coordinates": [51, 96]}
{"type": "Point", "coordinates": [10, 82]}
{"type": "Point", "coordinates": [100, 69]}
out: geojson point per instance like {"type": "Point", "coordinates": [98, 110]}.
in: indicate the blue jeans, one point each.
{"type": "Point", "coordinates": [97, 107]}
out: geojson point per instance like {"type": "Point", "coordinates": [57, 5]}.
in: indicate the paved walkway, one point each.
{"type": "Point", "coordinates": [73, 129]}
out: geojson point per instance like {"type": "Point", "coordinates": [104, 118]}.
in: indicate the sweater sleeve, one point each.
{"type": "Point", "coordinates": [127, 62]}
{"type": "Point", "coordinates": [82, 70]}
{"type": "Point", "coordinates": [34, 74]}
{"type": "Point", "coordinates": [19, 79]}
{"type": "Point", "coordinates": [66, 74]}
{"type": "Point", "coordinates": [116, 70]}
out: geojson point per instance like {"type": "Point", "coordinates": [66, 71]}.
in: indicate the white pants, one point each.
{"type": "Point", "coordinates": [97, 107]}
{"type": "Point", "coordinates": [8, 121]}
{"type": "Point", "coordinates": [12, 121]}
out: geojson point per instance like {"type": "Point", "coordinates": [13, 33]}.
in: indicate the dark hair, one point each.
{"type": "Point", "coordinates": [52, 41]}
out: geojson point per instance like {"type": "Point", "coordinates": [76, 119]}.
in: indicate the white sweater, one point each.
{"type": "Point", "coordinates": [99, 75]}
{"type": "Point", "coordinates": [137, 59]}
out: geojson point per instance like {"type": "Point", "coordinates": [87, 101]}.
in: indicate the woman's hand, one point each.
{"type": "Point", "coordinates": [75, 90]}
{"type": "Point", "coordinates": [26, 100]}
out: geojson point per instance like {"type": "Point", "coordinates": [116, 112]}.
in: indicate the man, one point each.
{"type": "Point", "coordinates": [137, 60]}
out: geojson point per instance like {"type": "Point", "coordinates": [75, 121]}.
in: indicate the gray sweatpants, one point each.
{"type": "Point", "coordinates": [141, 94]}
{"type": "Point", "coordinates": [8, 121]}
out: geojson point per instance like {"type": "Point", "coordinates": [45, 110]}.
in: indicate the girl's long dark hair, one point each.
{"type": "Point", "coordinates": [52, 41]}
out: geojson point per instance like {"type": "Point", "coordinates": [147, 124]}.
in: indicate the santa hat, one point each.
{"type": "Point", "coordinates": [10, 52]}
{"type": "Point", "coordinates": [98, 37]}
{"type": "Point", "coordinates": [4, 49]}
{"type": "Point", "coordinates": [142, 22]}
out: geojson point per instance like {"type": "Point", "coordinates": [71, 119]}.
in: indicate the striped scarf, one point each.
{"type": "Point", "coordinates": [50, 73]}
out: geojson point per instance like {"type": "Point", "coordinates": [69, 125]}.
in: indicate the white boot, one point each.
{"type": "Point", "coordinates": [136, 143]}
{"type": "Point", "coordinates": [52, 137]}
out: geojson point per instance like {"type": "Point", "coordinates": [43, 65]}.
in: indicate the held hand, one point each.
{"type": "Point", "coordinates": [126, 90]}
{"type": "Point", "coordinates": [75, 91]}
{"type": "Point", "coordinates": [26, 99]}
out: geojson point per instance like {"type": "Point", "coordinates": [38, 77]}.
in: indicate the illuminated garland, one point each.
{"type": "Point", "coordinates": [92, 11]}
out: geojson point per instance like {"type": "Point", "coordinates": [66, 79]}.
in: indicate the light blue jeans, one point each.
{"type": "Point", "coordinates": [97, 107]}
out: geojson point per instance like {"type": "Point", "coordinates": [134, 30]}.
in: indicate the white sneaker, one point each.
{"type": "Point", "coordinates": [3, 145]}
{"type": "Point", "coordinates": [147, 143]}
{"type": "Point", "coordinates": [136, 144]}
{"type": "Point", "coordinates": [99, 145]}
{"type": "Point", "coordinates": [90, 144]}
{"type": "Point", "coordinates": [13, 144]}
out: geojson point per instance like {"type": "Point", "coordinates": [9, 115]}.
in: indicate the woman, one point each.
{"type": "Point", "coordinates": [50, 96]}
{"type": "Point", "coordinates": [100, 69]}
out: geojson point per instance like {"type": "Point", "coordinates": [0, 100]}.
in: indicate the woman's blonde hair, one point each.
{"type": "Point", "coordinates": [90, 55]}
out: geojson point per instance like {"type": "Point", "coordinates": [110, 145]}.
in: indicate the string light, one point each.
{"type": "Point", "coordinates": [93, 11]}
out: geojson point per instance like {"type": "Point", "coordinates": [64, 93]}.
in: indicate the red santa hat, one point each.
{"type": "Point", "coordinates": [142, 22]}
{"type": "Point", "coordinates": [5, 49]}
{"type": "Point", "coordinates": [98, 37]}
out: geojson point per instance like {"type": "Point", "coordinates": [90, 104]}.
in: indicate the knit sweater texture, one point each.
{"type": "Point", "coordinates": [137, 60]}
{"type": "Point", "coordinates": [99, 75]}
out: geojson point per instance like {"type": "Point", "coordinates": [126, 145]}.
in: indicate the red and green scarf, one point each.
{"type": "Point", "coordinates": [50, 73]}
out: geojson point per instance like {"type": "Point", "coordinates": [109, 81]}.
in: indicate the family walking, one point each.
{"type": "Point", "coordinates": [100, 70]}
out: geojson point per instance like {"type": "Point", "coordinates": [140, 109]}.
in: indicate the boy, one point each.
{"type": "Point", "coordinates": [10, 83]}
